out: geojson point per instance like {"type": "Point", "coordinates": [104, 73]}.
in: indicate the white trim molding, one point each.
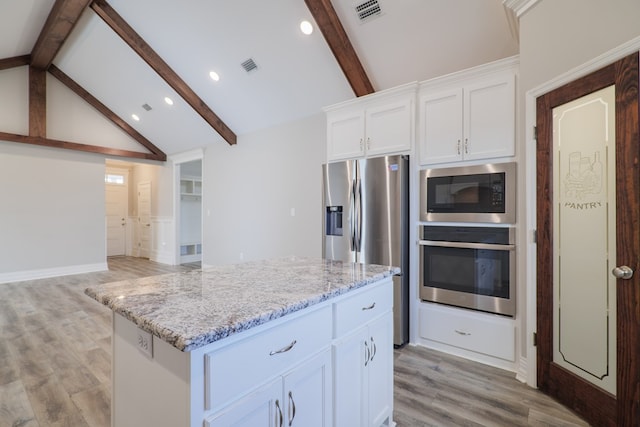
{"type": "Point", "coordinates": [520, 7]}
{"type": "Point", "coordinates": [187, 156]}
{"type": "Point", "coordinates": [163, 240]}
{"type": "Point", "coordinates": [45, 273]}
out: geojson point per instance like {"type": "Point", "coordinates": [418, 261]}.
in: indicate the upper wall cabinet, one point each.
{"type": "Point", "coordinates": [377, 124]}
{"type": "Point", "coordinates": [469, 115]}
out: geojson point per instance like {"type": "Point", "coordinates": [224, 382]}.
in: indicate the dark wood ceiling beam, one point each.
{"type": "Point", "coordinates": [16, 61]}
{"type": "Point", "coordinates": [63, 17]}
{"type": "Point", "coordinates": [45, 142]}
{"type": "Point", "coordinates": [137, 43]}
{"type": "Point", "coordinates": [37, 102]}
{"type": "Point", "coordinates": [105, 111]}
{"type": "Point", "coordinates": [339, 43]}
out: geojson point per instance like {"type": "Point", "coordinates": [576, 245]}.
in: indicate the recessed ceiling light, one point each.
{"type": "Point", "coordinates": [214, 76]}
{"type": "Point", "coordinates": [306, 27]}
{"type": "Point", "coordinates": [135, 117]}
{"type": "Point", "coordinates": [168, 100]}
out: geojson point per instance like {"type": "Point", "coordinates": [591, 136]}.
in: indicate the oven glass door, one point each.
{"type": "Point", "coordinates": [472, 271]}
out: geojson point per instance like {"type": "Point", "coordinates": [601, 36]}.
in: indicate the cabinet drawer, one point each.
{"type": "Point", "coordinates": [483, 333]}
{"type": "Point", "coordinates": [240, 367]}
{"type": "Point", "coordinates": [352, 312]}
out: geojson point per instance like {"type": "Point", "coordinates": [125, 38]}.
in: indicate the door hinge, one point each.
{"type": "Point", "coordinates": [535, 339]}
{"type": "Point", "coordinates": [535, 133]}
{"type": "Point", "coordinates": [535, 236]}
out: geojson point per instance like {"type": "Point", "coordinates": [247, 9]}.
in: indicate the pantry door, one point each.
{"type": "Point", "coordinates": [588, 228]}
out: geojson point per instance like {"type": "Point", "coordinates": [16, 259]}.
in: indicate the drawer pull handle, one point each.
{"type": "Point", "coordinates": [283, 349]}
{"type": "Point", "coordinates": [459, 332]}
{"type": "Point", "coordinates": [369, 308]}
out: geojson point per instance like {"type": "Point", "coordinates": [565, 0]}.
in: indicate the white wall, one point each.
{"type": "Point", "coordinates": [52, 211]}
{"type": "Point", "coordinates": [250, 189]}
{"type": "Point", "coordinates": [556, 36]}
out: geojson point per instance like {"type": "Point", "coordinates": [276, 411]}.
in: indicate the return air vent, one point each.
{"type": "Point", "coordinates": [249, 65]}
{"type": "Point", "coordinates": [367, 10]}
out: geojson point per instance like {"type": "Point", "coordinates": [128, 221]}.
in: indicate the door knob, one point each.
{"type": "Point", "coordinates": [622, 272]}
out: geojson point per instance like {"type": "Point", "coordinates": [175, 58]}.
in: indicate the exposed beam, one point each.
{"type": "Point", "coordinates": [63, 17]}
{"type": "Point", "coordinates": [339, 43]}
{"type": "Point", "coordinates": [35, 140]}
{"type": "Point", "coordinates": [37, 102]}
{"type": "Point", "coordinates": [95, 103]}
{"type": "Point", "coordinates": [16, 61]}
{"type": "Point", "coordinates": [142, 48]}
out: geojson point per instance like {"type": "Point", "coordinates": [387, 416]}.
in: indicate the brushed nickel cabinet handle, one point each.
{"type": "Point", "coordinates": [367, 353]}
{"type": "Point", "coordinates": [374, 349]}
{"type": "Point", "coordinates": [369, 307]}
{"type": "Point", "coordinates": [283, 349]}
{"type": "Point", "coordinates": [292, 408]}
{"type": "Point", "coordinates": [459, 332]}
{"type": "Point", "coordinates": [279, 413]}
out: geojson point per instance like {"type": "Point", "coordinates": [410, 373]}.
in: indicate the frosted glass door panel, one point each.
{"type": "Point", "coordinates": [585, 237]}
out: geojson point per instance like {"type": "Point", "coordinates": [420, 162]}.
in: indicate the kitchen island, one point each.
{"type": "Point", "coordinates": [295, 341]}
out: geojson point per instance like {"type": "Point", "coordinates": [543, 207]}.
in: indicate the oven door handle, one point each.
{"type": "Point", "coordinates": [467, 245]}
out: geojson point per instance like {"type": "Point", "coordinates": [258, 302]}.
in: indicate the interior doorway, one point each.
{"type": "Point", "coordinates": [117, 210]}
{"type": "Point", "coordinates": [190, 221]}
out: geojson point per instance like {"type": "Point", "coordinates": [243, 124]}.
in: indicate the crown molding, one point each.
{"type": "Point", "coordinates": [520, 6]}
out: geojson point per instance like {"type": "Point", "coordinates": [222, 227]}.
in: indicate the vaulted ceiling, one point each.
{"type": "Point", "coordinates": [110, 54]}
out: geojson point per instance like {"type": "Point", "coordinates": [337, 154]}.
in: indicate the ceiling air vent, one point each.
{"type": "Point", "coordinates": [146, 107]}
{"type": "Point", "coordinates": [249, 65]}
{"type": "Point", "coordinates": [368, 9]}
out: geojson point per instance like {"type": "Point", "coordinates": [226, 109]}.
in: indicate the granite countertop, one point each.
{"type": "Point", "coordinates": [192, 309]}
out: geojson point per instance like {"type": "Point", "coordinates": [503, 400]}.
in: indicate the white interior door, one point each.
{"type": "Point", "coordinates": [116, 210]}
{"type": "Point", "coordinates": [144, 219]}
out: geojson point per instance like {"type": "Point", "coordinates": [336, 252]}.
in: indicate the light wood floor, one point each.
{"type": "Point", "coordinates": [55, 365]}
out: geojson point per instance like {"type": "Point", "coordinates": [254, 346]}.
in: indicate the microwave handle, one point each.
{"type": "Point", "coordinates": [466, 245]}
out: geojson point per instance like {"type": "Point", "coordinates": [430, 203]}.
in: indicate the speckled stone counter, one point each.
{"type": "Point", "coordinates": [193, 309]}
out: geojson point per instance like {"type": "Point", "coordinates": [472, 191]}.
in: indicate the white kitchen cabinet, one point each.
{"type": "Point", "coordinates": [470, 116]}
{"type": "Point", "coordinates": [301, 397]}
{"type": "Point", "coordinates": [378, 124]}
{"type": "Point", "coordinates": [486, 337]}
{"type": "Point", "coordinates": [284, 366]}
{"type": "Point", "coordinates": [363, 360]}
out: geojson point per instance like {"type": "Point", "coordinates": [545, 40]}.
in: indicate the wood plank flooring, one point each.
{"type": "Point", "coordinates": [55, 365]}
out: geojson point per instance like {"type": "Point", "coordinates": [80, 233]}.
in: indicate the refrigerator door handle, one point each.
{"type": "Point", "coordinates": [352, 217]}
{"type": "Point", "coordinates": [359, 216]}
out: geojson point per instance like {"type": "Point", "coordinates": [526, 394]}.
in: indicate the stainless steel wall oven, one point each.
{"type": "Point", "coordinates": [471, 267]}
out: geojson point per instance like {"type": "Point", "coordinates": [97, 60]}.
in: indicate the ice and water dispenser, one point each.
{"type": "Point", "coordinates": [334, 221]}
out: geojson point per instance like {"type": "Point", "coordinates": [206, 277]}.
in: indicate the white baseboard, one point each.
{"type": "Point", "coordinates": [162, 257]}
{"type": "Point", "coordinates": [45, 273]}
{"type": "Point", "coordinates": [522, 373]}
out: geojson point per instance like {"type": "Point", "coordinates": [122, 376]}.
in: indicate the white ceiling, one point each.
{"type": "Point", "coordinates": [297, 75]}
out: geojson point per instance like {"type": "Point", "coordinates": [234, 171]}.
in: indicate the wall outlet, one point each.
{"type": "Point", "coordinates": [144, 341]}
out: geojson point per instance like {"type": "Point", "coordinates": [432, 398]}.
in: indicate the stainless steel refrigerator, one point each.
{"type": "Point", "coordinates": [366, 220]}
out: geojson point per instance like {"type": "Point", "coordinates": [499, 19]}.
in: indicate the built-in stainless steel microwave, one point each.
{"type": "Point", "coordinates": [480, 193]}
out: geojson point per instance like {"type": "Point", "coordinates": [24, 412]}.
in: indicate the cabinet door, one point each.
{"type": "Point", "coordinates": [388, 128]}
{"type": "Point", "coordinates": [349, 358]}
{"type": "Point", "coordinates": [307, 393]}
{"type": "Point", "coordinates": [345, 135]}
{"type": "Point", "coordinates": [380, 370]}
{"type": "Point", "coordinates": [263, 407]}
{"type": "Point", "coordinates": [490, 118]}
{"type": "Point", "coordinates": [441, 127]}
